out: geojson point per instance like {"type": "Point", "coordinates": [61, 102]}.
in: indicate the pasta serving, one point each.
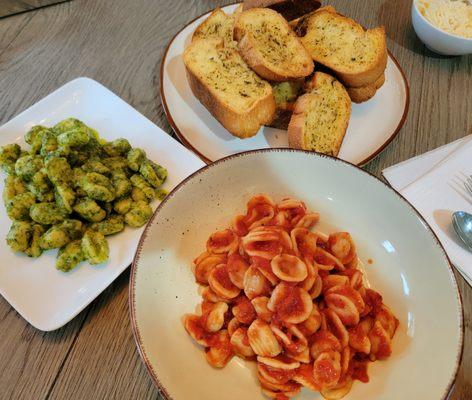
{"type": "Point", "coordinates": [291, 299]}
{"type": "Point", "coordinates": [453, 16]}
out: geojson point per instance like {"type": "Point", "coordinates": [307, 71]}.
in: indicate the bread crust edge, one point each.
{"type": "Point", "coordinates": [365, 93]}
{"type": "Point", "coordinates": [296, 127]}
{"type": "Point", "coordinates": [242, 125]}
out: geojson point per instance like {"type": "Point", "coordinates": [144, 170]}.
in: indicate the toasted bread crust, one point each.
{"type": "Point", "coordinates": [248, 47]}
{"type": "Point", "coordinates": [240, 123]}
{"type": "Point", "coordinates": [218, 18]}
{"type": "Point", "coordinates": [344, 73]}
{"type": "Point", "coordinates": [364, 93]}
{"type": "Point", "coordinates": [296, 126]}
{"type": "Point", "coordinates": [297, 135]}
{"type": "Point", "coordinates": [372, 74]}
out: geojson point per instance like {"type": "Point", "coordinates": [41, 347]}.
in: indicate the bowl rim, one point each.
{"type": "Point", "coordinates": [206, 160]}
{"type": "Point", "coordinates": [134, 266]}
{"type": "Point", "coordinates": [451, 35]}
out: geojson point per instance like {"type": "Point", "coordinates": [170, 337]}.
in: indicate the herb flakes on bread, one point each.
{"type": "Point", "coordinates": [234, 94]}
{"type": "Point", "coordinates": [321, 116]}
{"type": "Point", "coordinates": [357, 56]}
{"type": "Point", "coordinates": [217, 25]}
{"type": "Point", "coordinates": [270, 47]}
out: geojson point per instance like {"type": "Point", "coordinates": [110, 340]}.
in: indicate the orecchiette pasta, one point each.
{"type": "Point", "coordinates": [290, 298]}
{"type": "Point", "coordinates": [222, 242]}
{"type": "Point", "coordinates": [221, 284]}
{"type": "Point", "coordinates": [263, 340]}
{"type": "Point", "coordinates": [291, 304]}
{"type": "Point", "coordinates": [255, 283]}
{"type": "Point", "coordinates": [243, 310]}
{"type": "Point", "coordinates": [237, 267]}
{"type": "Point", "coordinates": [289, 268]}
{"type": "Point", "coordinates": [205, 264]}
{"type": "Point", "coordinates": [240, 343]}
{"type": "Point", "coordinates": [260, 306]}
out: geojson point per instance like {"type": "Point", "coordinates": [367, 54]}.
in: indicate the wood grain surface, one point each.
{"type": "Point", "coordinates": [9, 7]}
{"type": "Point", "coordinates": [120, 43]}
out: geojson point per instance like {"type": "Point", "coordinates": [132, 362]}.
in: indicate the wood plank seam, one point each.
{"type": "Point", "coordinates": [16, 36]}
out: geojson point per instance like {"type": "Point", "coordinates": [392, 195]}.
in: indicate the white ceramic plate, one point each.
{"type": "Point", "coordinates": [410, 270]}
{"type": "Point", "coordinates": [48, 298]}
{"type": "Point", "coordinates": [372, 127]}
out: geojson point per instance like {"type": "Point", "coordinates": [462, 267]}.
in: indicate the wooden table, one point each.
{"type": "Point", "coordinates": [121, 43]}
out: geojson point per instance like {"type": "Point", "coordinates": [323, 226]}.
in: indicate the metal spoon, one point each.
{"type": "Point", "coordinates": [462, 223]}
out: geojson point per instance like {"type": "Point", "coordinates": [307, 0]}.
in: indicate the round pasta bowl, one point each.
{"type": "Point", "coordinates": [401, 258]}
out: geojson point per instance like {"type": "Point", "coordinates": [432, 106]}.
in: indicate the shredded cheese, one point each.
{"type": "Point", "coordinates": [452, 16]}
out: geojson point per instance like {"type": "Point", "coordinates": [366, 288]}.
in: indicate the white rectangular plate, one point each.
{"type": "Point", "coordinates": [48, 298]}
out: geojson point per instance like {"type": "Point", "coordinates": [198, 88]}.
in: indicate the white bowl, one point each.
{"type": "Point", "coordinates": [437, 40]}
{"type": "Point", "coordinates": [410, 269]}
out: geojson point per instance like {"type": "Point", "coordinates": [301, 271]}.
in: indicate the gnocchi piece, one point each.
{"type": "Point", "coordinates": [139, 214]}
{"type": "Point", "coordinates": [34, 250]}
{"type": "Point", "coordinates": [48, 143]}
{"type": "Point", "coordinates": [74, 228]}
{"type": "Point", "coordinates": [121, 183]}
{"type": "Point", "coordinates": [68, 124]}
{"type": "Point", "coordinates": [34, 138]}
{"type": "Point", "coordinates": [59, 235]}
{"type": "Point", "coordinates": [95, 165]}
{"type": "Point", "coordinates": [119, 147]}
{"type": "Point", "coordinates": [77, 176]}
{"type": "Point", "coordinates": [19, 236]}
{"type": "Point", "coordinates": [47, 213]}
{"type": "Point", "coordinates": [139, 182]}
{"type": "Point", "coordinates": [65, 197]}
{"type": "Point", "coordinates": [75, 137]}
{"type": "Point", "coordinates": [39, 184]}
{"type": "Point", "coordinates": [89, 210]}
{"type": "Point", "coordinates": [13, 186]}
{"type": "Point", "coordinates": [109, 226]}
{"type": "Point", "coordinates": [161, 194]}
{"type": "Point", "coordinates": [116, 163]}
{"type": "Point", "coordinates": [18, 207]}
{"type": "Point", "coordinates": [98, 187]}
{"type": "Point", "coordinates": [154, 174]}
{"type": "Point", "coordinates": [27, 166]}
{"type": "Point", "coordinates": [95, 247]}
{"type": "Point", "coordinates": [54, 238]}
{"type": "Point", "coordinates": [135, 158]}
{"type": "Point", "coordinates": [61, 151]}
{"type": "Point", "coordinates": [47, 197]}
{"type": "Point", "coordinates": [8, 156]}
{"type": "Point", "coordinates": [138, 195]}
{"type": "Point", "coordinates": [69, 256]}
{"type": "Point", "coordinates": [93, 149]}
{"type": "Point", "coordinates": [122, 206]}
{"type": "Point", "coordinates": [160, 171]}
{"type": "Point", "coordinates": [58, 170]}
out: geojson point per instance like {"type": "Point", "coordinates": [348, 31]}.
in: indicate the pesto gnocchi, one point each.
{"type": "Point", "coordinates": [71, 189]}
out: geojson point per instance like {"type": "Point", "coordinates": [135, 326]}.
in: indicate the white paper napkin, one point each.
{"type": "Point", "coordinates": [434, 184]}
